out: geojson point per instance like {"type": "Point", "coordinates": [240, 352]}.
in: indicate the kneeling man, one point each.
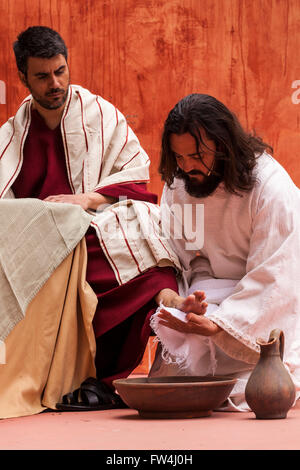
{"type": "Point", "coordinates": [231, 212]}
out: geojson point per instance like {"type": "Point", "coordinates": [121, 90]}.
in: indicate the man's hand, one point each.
{"type": "Point", "coordinates": [196, 324]}
{"type": "Point", "coordinates": [85, 200]}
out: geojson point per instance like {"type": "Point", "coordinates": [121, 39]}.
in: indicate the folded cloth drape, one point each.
{"type": "Point", "coordinates": [46, 305]}
{"type": "Point", "coordinates": [51, 350]}
{"type": "Point", "coordinates": [35, 237]}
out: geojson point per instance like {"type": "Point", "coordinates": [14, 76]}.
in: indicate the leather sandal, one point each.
{"type": "Point", "coordinates": [90, 396]}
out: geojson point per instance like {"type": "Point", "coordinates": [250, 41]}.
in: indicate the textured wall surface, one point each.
{"type": "Point", "coordinates": [144, 55]}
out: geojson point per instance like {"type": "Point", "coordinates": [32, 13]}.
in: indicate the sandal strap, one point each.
{"type": "Point", "coordinates": [93, 392]}
{"type": "Point", "coordinates": [71, 398]}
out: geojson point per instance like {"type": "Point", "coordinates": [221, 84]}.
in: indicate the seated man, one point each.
{"type": "Point", "coordinates": [242, 251]}
{"type": "Point", "coordinates": [66, 145]}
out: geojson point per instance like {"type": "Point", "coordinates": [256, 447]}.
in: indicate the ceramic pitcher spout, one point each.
{"type": "Point", "coordinates": [275, 344]}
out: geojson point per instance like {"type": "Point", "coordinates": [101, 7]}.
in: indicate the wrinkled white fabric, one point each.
{"type": "Point", "coordinates": [188, 351]}
{"type": "Point", "coordinates": [254, 240]}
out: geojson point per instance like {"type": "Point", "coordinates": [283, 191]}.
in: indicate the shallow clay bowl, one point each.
{"type": "Point", "coordinates": [174, 397]}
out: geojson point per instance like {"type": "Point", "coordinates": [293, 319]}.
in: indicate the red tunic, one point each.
{"type": "Point", "coordinates": [121, 321]}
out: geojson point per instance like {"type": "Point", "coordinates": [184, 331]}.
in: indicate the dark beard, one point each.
{"type": "Point", "coordinates": [44, 103]}
{"type": "Point", "coordinates": [195, 188]}
{"type": "Point", "coordinates": [54, 105]}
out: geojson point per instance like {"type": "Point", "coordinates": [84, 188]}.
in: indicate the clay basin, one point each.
{"type": "Point", "coordinates": [174, 397]}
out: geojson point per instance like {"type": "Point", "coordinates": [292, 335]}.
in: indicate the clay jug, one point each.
{"type": "Point", "coordinates": [270, 391]}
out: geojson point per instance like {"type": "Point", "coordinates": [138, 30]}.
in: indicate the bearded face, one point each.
{"type": "Point", "coordinates": [48, 81]}
{"type": "Point", "coordinates": [196, 163]}
{"type": "Point", "coordinates": [196, 188]}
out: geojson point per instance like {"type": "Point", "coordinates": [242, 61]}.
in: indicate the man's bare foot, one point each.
{"type": "Point", "coordinates": [195, 303]}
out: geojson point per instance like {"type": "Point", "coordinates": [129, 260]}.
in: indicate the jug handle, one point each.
{"type": "Point", "coordinates": [277, 334]}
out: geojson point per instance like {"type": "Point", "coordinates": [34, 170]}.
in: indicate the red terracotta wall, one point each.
{"type": "Point", "coordinates": [144, 55]}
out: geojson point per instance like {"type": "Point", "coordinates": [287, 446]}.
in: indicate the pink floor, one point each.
{"type": "Point", "coordinates": [125, 430]}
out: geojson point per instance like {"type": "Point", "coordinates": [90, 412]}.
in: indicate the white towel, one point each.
{"type": "Point", "coordinates": [194, 354]}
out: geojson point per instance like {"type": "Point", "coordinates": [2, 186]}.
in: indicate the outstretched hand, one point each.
{"type": "Point", "coordinates": [195, 308]}
{"type": "Point", "coordinates": [196, 324]}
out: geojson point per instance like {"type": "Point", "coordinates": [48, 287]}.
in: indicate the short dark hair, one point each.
{"type": "Point", "coordinates": [38, 41]}
{"type": "Point", "coordinates": [236, 150]}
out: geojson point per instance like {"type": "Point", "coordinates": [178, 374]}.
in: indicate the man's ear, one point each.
{"type": "Point", "coordinates": [22, 78]}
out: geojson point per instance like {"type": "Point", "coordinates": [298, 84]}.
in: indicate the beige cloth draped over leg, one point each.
{"type": "Point", "coordinates": [51, 351]}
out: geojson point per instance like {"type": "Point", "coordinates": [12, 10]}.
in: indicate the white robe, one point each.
{"type": "Point", "coordinates": [251, 248]}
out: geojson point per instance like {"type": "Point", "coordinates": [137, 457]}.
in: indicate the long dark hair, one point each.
{"type": "Point", "coordinates": [236, 150]}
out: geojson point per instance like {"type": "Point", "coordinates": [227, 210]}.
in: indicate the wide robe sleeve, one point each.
{"type": "Point", "coordinates": [268, 296]}
{"type": "Point", "coordinates": [136, 191]}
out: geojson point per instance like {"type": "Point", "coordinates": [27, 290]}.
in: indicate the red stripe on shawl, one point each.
{"type": "Point", "coordinates": [102, 138]}
{"type": "Point", "coordinates": [166, 249]}
{"type": "Point", "coordinates": [13, 124]}
{"type": "Point", "coordinates": [106, 250]}
{"type": "Point", "coordinates": [85, 136]}
{"type": "Point", "coordinates": [21, 146]}
{"type": "Point", "coordinates": [117, 117]}
{"type": "Point", "coordinates": [82, 184]}
{"type": "Point", "coordinates": [26, 101]}
{"type": "Point", "coordinates": [126, 241]}
{"type": "Point", "coordinates": [126, 140]}
{"type": "Point", "coordinates": [66, 145]}
{"type": "Point", "coordinates": [130, 160]}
